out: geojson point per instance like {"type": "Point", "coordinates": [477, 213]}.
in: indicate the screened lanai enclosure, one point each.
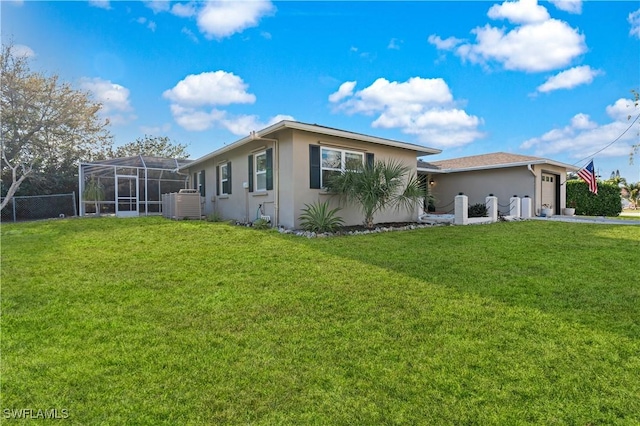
{"type": "Point", "coordinates": [129, 186]}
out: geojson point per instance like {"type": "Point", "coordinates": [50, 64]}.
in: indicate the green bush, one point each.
{"type": "Point", "coordinates": [317, 217]}
{"type": "Point", "coordinates": [606, 203]}
{"type": "Point", "coordinates": [214, 217]}
{"type": "Point", "coordinates": [477, 210]}
{"type": "Point", "coordinates": [261, 224]}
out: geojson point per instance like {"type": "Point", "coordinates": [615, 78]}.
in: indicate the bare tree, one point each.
{"type": "Point", "coordinates": [46, 124]}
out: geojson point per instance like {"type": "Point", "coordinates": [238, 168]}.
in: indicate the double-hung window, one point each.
{"type": "Point", "coordinates": [224, 179]}
{"type": "Point", "coordinates": [335, 161]}
{"type": "Point", "coordinates": [261, 171]}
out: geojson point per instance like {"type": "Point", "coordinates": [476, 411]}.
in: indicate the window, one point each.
{"type": "Point", "coordinates": [335, 161]}
{"type": "Point", "coordinates": [201, 187]}
{"type": "Point", "coordinates": [261, 171]}
{"type": "Point", "coordinates": [224, 179]}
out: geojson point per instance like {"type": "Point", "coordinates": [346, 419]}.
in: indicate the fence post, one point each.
{"type": "Point", "coordinates": [526, 207]}
{"type": "Point", "coordinates": [13, 206]}
{"type": "Point", "coordinates": [514, 206]}
{"type": "Point", "coordinates": [461, 216]}
{"type": "Point", "coordinates": [75, 207]}
{"type": "Point", "coordinates": [491, 202]}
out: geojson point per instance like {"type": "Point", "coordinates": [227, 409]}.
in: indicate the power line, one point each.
{"type": "Point", "coordinates": [611, 143]}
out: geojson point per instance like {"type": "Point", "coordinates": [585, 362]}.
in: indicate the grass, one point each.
{"type": "Point", "coordinates": [150, 321]}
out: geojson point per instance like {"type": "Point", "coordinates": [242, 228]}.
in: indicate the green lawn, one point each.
{"type": "Point", "coordinates": [151, 321]}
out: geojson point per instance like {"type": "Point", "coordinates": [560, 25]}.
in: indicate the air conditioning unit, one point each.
{"type": "Point", "coordinates": [185, 204]}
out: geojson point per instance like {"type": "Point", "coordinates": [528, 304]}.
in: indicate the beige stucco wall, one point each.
{"type": "Point", "coordinates": [501, 182]}
{"type": "Point", "coordinates": [291, 176]}
{"type": "Point", "coordinates": [302, 194]}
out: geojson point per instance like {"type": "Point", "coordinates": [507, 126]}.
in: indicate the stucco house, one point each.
{"type": "Point", "coordinates": [501, 174]}
{"type": "Point", "coordinates": [276, 171]}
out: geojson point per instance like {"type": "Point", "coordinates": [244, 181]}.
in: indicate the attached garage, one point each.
{"type": "Point", "coordinates": [501, 174]}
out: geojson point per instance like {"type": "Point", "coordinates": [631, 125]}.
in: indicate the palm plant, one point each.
{"type": "Point", "coordinates": [634, 193]}
{"type": "Point", "coordinates": [377, 187]}
{"type": "Point", "coordinates": [318, 217]}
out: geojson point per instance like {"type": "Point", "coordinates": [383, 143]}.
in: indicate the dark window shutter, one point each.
{"type": "Point", "coordinates": [314, 166]}
{"type": "Point", "coordinates": [251, 173]}
{"type": "Point", "coordinates": [218, 180]}
{"type": "Point", "coordinates": [229, 176]}
{"type": "Point", "coordinates": [269, 168]}
{"type": "Point", "coordinates": [201, 182]}
{"type": "Point", "coordinates": [370, 161]}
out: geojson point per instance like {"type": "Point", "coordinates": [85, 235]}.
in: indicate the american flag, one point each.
{"type": "Point", "coordinates": [588, 175]}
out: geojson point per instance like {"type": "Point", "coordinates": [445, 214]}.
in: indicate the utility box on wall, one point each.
{"type": "Point", "coordinates": [182, 205]}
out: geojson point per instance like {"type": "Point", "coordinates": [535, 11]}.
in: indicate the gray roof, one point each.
{"type": "Point", "coordinates": [487, 161]}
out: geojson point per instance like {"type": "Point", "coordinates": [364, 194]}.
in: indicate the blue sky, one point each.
{"type": "Point", "coordinates": [552, 79]}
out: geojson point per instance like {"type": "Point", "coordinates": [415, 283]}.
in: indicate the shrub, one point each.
{"type": "Point", "coordinates": [375, 187]}
{"type": "Point", "coordinates": [317, 217]}
{"type": "Point", "coordinates": [606, 203]}
{"type": "Point", "coordinates": [477, 210]}
{"type": "Point", "coordinates": [261, 224]}
{"type": "Point", "coordinates": [214, 217]}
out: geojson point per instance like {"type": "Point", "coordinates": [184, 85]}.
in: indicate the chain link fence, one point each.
{"type": "Point", "coordinates": [40, 207]}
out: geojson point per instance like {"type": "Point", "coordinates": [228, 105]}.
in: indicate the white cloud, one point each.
{"type": "Point", "coordinates": [519, 12]}
{"type": "Point", "coordinates": [419, 106]}
{"type": "Point", "coordinates": [158, 5]}
{"type": "Point", "coordinates": [582, 137]}
{"type": "Point", "coordinates": [446, 44]}
{"type": "Point", "coordinates": [184, 10]}
{"type": "Point", "coordinates": [24, 51]}
{"type": "Point", "coordinates": [394, 44]}
{"type": "Point", "coordinates": [196, 97]}
{"type": "Point", "coordinates": [535, 47]}
{"type": "Point", "coordinates": [190, 34]}
{"type": "Point", "coordinates": [345, 90]}
{"type": "Point", "coordinates": [634, 20]}
{"type": "Point", "coordinates": [210, 88]}
{"type": "Point", "coordinates": [103, 4]}
{"type": "Point", "coordinates": [155, 130]}
{"type": "Point", "coordinates": [538, 44]}
{"type": "Point", "coordinates": [113, 97]}
{"type": "Point", "coordinates": [223, 18]}
{"type": "Point", "coordinates": [242, 125]}
{"type": "Point", "coordinates": [622, 110]}
{"type": "Point", "coordinates": [571, 6]}
{"type": "Point", "coordinates": [569, 79]}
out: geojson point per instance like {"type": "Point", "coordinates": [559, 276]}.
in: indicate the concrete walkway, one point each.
{"type": "Point", "coordinates": [585, 219]}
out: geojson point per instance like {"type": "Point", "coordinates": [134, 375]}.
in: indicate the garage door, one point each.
{"type": "Point", "coordinates": [549, 190]}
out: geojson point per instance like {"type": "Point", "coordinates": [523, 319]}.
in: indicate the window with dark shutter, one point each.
{"type": "Point", "coordinates": [269, 169]}
{"type": "Point", "coordinates": [370, 159]}
{"type": "Point", "coordinates": [314, 166]}
{"type": "Point", "coordinates": [218, 180]}
{"type": "Point", "coordinates": [250, 181]}
{"type": "Point", "coordinates": [201, 184]}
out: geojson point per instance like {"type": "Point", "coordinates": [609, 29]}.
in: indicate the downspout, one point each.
{"type": "Point", "coordinates": [276, 174]}
{"type": "Point", "coordinates": [535, 182]}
